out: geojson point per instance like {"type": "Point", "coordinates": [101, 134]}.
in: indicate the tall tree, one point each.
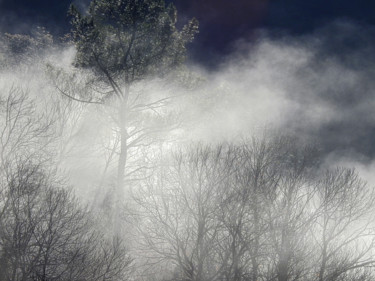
{"type": "Point", "coordinates": [122, 42]}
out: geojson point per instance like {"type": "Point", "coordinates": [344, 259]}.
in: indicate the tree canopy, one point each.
{"type": "Point", "coordinates": [129, 39]}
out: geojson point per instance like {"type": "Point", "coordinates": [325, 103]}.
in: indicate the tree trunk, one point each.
{"type": "Point", "coordinates": [324, 251]}
{"type": "Point", "coordinates": [283, 267]}
{"type": "Point", "coordinates": [119, 192]}
{"type": "Point", "coordinates": [256, 246]}
{"type": "Point", "coordinates": [255, 251]}
{"type": "Point", "coordinates": [284, 255]}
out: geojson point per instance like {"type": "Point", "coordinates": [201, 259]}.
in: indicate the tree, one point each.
{"type": "Point", "coordinates": [290, 213]}
{"type": "Point", "coordinates": [179, 221]}
{"type": "Point", "coordinates": [44, 232]}
{"type": "Point", "coordinates": [263, 211]}
{"type": "Point", "coordinates": [245, 202]}
{"type": "Point", "coordinates": [257, 210]}
{"type": "Point", "coordinates": [46, 235]}
{"type": "Point", "coordinates": [121, 43]}
{"type": "Point", "coordinates": [16, 49]}
{"type": "Point", "coordinates": [25, 131]}
{"type": "Point", "coordinates": [343, 232]}
{"type": "Point", "coordinates": [229, 212]}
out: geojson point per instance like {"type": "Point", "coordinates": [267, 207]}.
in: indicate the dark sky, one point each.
{"type": "Point", "coordinates": [222, 22]}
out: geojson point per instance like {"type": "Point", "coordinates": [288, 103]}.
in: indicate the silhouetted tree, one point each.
{"type": "Point", "coordinates": [16, 49]}
{"type": "Point", "coordinates": [343, 232]}
{"type": "Point", "coordinates": [25, 131]}
{"type": "Point", "coordinates": [46, 235]}
{"type": "Point", "coordinates": [257, 210]}
{"type": "Point", "coordinates": [179, 221]}
{"type": "Point", "coordinates": [122, 43]}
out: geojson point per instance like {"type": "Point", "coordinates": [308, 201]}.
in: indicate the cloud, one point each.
{"type": "Point", "coordinates": [317, 86]}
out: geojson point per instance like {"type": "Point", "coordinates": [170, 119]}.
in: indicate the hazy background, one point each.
{"type": "Point", "coordinates": [299, 67]}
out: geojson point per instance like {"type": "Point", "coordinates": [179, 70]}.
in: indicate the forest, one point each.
{"type": "Point", "coordinates": [111, 167]}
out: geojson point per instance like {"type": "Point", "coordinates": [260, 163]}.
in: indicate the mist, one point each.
{"type": "Point", "coordinates": [314, 89]}
{"type": "Point", "coordinates": [314, 86]}
{"type": "Point", "coordinates": [317, 88]}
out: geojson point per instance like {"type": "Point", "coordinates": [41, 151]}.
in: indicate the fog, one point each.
{"type": "Point", "coordinates": [317, 89]}
{"type": "Point", "coordinates": [315, 86]}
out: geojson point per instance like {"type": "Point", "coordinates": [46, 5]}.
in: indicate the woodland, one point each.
{"type": "Point", "coordinates": [100, 179]}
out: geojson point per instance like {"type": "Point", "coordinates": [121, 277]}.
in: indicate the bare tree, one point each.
{"type": "Point", "coordinates": [343, 232]}
{"type": "Point", "coordinates": [24, 131]}
{"type": "Point", "coordinates": [46, 235]}
{"type": "Point", "coordinates": [179, 218]}
{"type": "Point", "coordinates": [264, 209]}
{"type": "Point", "coordinates": [290, 214]}
{"type": "Point", "coordinates": [258, 210]}
{"type": "Point", "coordinates": [244, 207]}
